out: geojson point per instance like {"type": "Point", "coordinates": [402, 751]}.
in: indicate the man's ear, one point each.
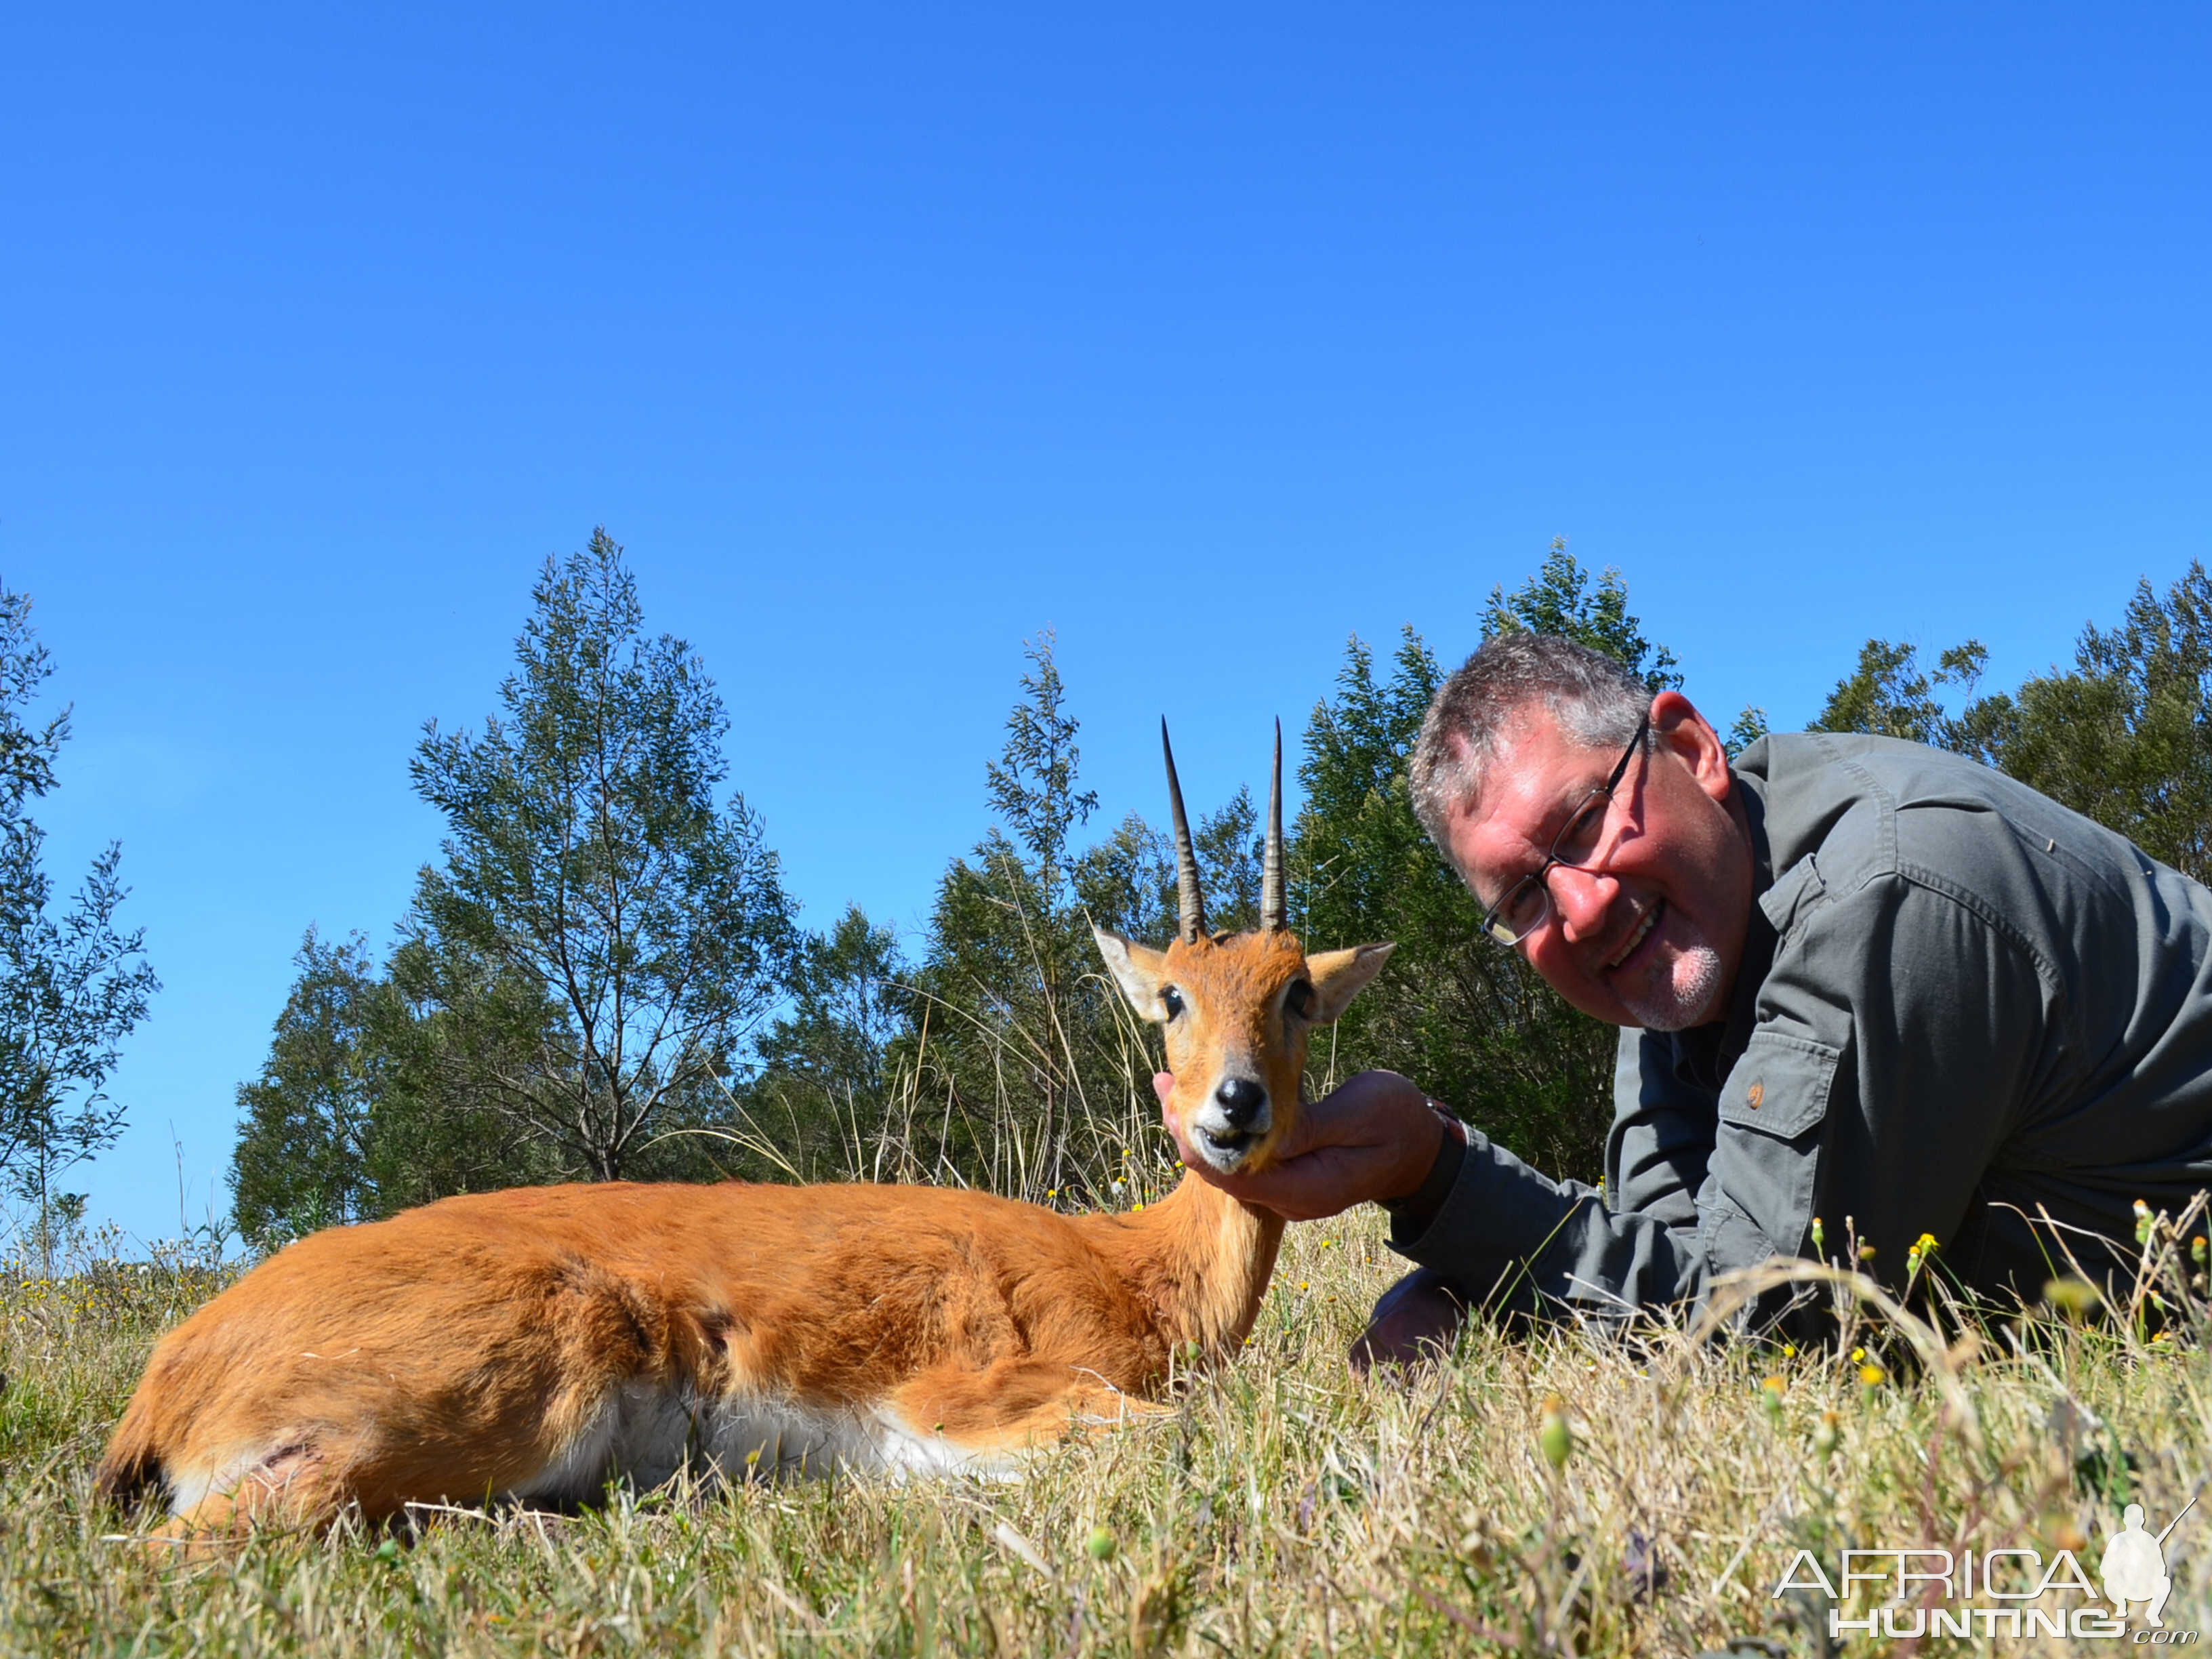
{"type": "Point", "coordinates": [1340, 975]}
{"type": "Point", "coordinates": [1679, 727]}
{"type": "Point", "coordinates": [1139, 971]}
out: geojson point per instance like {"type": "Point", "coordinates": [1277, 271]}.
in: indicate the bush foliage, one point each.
{"type": "Point", "coordinates": [488, 1050]}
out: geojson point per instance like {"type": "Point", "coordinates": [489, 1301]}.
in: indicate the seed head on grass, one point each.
{"type": "Point", "coordinates": [2076, 1298]}
{"type": "Point", "coordinates": [1554, 1437]}
{"type": "Point", "coordinates": [1771, 1391]}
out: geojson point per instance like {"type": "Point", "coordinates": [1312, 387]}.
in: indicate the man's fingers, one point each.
{"type": "Point", "coordinates": [1164, 1085]}
{"type": "Point", "coordinates": [1300, 1189]}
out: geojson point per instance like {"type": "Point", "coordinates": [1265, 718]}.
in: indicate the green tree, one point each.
{"type": "Point", "coordinates": [1011, 1000]}
{"type": "Point", "coordinates": [2126, 737]}
{"type": "Point", "coordinates": [574, 986]}
{"type": "Point", "coordinates": [825, 1078]}
{"type": "Point", "coordinates": [455, 1034]}
{"type": "Point", "coordinates": [381, 1090]}
{"type": "Point", "coordinates": [1032, 784]}
{"type": "Point", "coordinates": [1889, 695]}
{"type": "Point", "coordinates": [73, 984]}
{"type": "Point", "coordinates": [1749, 727]}
{"type": "Point", "coordinates": [1559, 600]}
{"type": "Point", "coordinates": [588, 868]}
{"type": "Point", "coordinates": [1127, 882]}
{"type": "Point", "coordinates": [301, 1158]}
{"type": "Point", "coordinates": [1231, 847]}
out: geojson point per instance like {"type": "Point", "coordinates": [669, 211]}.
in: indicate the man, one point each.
{"type": "Point", "coordinates": [1860, 980]}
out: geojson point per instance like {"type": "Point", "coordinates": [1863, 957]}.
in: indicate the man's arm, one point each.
{"type": "Point", "coordinates": [1898, 1032]}
{"type": "Point", "coordinates": [1655, 1161]}
{"type": "Point", "coordinates": [1506, 1234]}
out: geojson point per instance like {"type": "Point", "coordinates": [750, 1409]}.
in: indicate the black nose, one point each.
{"type": "Point", "coordinates": [1241, 1100]}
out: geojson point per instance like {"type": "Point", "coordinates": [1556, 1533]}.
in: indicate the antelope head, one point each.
{"type": "Point", "coordinates": [1237, 1007]}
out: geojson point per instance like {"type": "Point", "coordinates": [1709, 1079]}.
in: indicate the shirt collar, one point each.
{"type": "Point", "coordinates": [1704, 1054]}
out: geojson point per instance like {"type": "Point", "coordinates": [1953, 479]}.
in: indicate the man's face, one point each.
{"type": "Point", "coordinates": [1654, 935]}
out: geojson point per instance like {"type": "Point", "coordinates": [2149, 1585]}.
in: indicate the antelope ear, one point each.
{"type": "Point", "coordinates": [1340, 975]}
{"type": "Point", "coordinates": [1139, 971]}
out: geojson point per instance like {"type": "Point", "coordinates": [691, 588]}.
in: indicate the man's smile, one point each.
{"type": "Point", "coordinates": [1642, 931]}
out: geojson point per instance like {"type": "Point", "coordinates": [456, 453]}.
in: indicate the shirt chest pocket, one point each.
{"type": "Point", "coordinates": [1758, 1197]}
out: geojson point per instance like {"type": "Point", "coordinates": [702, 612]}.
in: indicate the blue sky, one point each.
{"type": "Point", "coordinates": [885, 337]}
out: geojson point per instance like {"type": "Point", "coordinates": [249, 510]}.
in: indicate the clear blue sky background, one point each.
{"type": "Point", "coordinates": [885, 337]}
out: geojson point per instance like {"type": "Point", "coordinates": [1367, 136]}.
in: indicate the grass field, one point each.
{"type": "Point", "coordinates": [1287, 1509]}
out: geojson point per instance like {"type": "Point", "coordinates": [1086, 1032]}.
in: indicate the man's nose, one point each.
{"type": "Point", "coordinates": [1582, 897]}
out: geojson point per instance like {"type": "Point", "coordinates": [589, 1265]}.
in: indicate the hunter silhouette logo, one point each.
{"type": "Point", "coordinates": [2133, 1565]}
{"type": "Point", "coordinates": [2005, 1591]}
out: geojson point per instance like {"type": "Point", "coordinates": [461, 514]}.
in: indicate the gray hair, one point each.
{"type": "Point", "coordinates": [1597, 700]}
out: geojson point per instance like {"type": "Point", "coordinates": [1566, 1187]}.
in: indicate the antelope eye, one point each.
{"type": "Point", "coordinates": [1171, 1000]}
{"type": "Point", "coordinates": [1299, 999]}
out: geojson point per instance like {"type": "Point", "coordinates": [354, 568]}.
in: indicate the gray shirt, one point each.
{"type": "Point", "coordinates": [1962, 1010]}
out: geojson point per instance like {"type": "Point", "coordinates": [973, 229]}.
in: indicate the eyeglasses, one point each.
{"type": "Point", "coordinates": [1528, 903]}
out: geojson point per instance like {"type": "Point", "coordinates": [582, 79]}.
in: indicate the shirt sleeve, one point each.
{"type": "Point", "coordinates": [1661, 1141]}
{"type": "Point", "coordinates": [1891, 1034]}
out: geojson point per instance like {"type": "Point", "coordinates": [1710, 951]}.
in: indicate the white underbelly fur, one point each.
{"type": "Point", "coordinates": [188, 1487]}
{"type": "Point", "coordinates": [647, 1433]}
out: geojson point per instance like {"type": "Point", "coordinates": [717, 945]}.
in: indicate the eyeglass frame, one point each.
{"type": "Point", "coordinates": [1499, 931]}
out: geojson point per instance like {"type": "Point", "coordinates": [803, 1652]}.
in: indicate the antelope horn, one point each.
{"type": "Point", "coordinates": [1272, 902]}
{"type": "Point", "coordinates": [1190, 900]}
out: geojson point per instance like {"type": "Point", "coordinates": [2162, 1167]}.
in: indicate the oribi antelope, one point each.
{"type": "Point", "coordinates": [538, 1343]}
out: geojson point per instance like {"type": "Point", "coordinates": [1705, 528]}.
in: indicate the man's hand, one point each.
{"type": "Point", "coordinates": [1418, 1320]}
{"type": "Point", "coordinates": [1376, 1138]}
